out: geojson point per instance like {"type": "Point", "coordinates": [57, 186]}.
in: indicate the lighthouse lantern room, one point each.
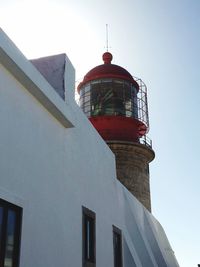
{"type": "Point", "coordinates": [116, 105]}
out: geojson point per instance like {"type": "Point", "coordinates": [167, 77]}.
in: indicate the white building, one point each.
{"type": "Point", "coordinates": [58, 179]}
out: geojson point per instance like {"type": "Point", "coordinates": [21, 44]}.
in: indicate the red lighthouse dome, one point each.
{"type": "Point", "coordinates": [109, 98]}
{"type": "Point", "coordinates": [107, 70]}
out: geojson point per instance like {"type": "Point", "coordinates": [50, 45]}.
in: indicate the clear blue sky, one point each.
{"type": "Point", "coordinates": [158, 41]}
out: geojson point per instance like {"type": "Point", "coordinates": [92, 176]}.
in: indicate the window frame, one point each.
{"type": "Point", "coordinates": [6, 207]}
{"type": "Point", "coordinates": [118, 232]}
{"type": "Point", "coordinates": [86, 213]}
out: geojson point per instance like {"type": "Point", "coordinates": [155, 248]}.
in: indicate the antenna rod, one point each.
{"type": "Point", "coordinates": [107, 37]}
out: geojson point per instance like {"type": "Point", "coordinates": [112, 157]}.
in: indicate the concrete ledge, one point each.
{"type": "Point", "coordinates": [16, 63]}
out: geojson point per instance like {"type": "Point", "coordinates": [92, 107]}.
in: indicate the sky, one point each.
{"type": "Point", "coordinates": [157, 41]}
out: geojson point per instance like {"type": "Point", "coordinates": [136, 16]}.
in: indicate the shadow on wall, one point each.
{"type": "Point", "coordinates": [144, 239]}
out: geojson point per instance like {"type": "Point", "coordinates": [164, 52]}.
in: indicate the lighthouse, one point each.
{"type": "Point", "coordinates": [116, 105]}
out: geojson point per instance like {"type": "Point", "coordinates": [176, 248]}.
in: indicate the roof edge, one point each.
{"type": "Point", "coordinates": [24, 71]}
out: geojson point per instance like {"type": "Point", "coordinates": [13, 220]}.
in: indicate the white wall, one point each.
{"type": "Point", "coordinates": [53, 171]}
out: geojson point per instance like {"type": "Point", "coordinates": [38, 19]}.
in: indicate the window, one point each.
{"type": "Point", "coordinates": [108, 97]}
{"type": "Point", "coordinates": [117, 247]}
{"type": "Point", "coordinates": [89, 238]}
{"type": "Point", "coordinates": [10, 231]}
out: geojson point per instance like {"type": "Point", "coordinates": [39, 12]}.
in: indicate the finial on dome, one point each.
{"type": "Point", "coordinates": [107, 58]}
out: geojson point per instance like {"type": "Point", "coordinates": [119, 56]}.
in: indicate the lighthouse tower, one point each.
{"type": "Point", "coordinates": [116, 105]}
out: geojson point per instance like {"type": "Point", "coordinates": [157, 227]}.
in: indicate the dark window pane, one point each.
{"type": "Point", "coordinates": [10, 228]}
{"type": "Point", "coordinates": [134, 102]}
{"type": "Point", "coordinates": [88, 238]}
{"type": "Point", "coordinates": [8, 262]}
{"type": "Point", "coordinates": [101, 97]}
{"type": "Point", "coordinates": [1, 222]}
{"type": "Point", "coordinates": [117, 247]}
